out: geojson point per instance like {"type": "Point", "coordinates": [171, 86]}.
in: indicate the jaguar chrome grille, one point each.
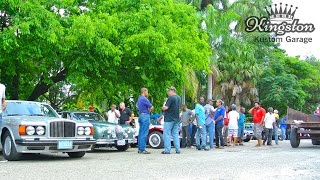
{"type": "Point", "coordinates": [119, 136]}
{"type": "Point", "coordinates": [62, 129]}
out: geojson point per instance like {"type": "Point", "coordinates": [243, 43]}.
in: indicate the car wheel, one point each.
{"type": "Point", "coordinates": [123, 148]}
{"type": "Point", "coordinates": [294, 138]}
{"type": "Point", "coordinates": [315, 142]}
{"type": "Point", "coordinates": [156, 140]}
{"type": "Point", "coordinates": [9, 150]}
{"type": "Point", "coordinates": [247, 139]}
{"type": "Point", "coordinates": [76, 154]}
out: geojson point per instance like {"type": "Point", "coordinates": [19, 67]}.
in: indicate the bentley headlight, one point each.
{"type": "Point", "coordinates": [40, 130]}
{"type": "Point", "coordinates": [80, 130]}
{"type": "Point", "coordinates": [87, 131]}
{"type": "Point", "coordinates": [30, 130]}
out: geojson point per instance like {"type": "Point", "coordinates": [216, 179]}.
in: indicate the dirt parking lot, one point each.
{"type": "Point", "coordinates": [246, 162]}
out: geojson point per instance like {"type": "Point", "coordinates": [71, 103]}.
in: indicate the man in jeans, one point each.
{"type": "Point", "coordinates": [3, 106]}
{"type": "Point", "coordinates": [186, 117]}
{"type": "Point", "coordinates": [276, 126]}
{"type": "Point", "coordinates": [218, 118]}
{"type": "Point", "coordinates": [201, 127]}
{"type": "Point", "coordinates": [145, 107]}
{"type": "Point", "coordinates": [171, 121]}
{"type": "Point", "coordinates": [210, 125]}
{"type": "Point", "coordinates": [283, 127]}
{"type": "Point", "coordinates": [269, 121]}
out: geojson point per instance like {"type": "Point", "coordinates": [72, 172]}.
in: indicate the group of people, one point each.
{"type": "Point", "coordinates": [205, 124]}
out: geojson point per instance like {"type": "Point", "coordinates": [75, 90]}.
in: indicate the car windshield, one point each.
{"type": "Point", "coordinates": [248, 126]}
{"type": "Point", "coordinates": [88, 117]}
{"type": "Point", "coordinates": [29, 109]}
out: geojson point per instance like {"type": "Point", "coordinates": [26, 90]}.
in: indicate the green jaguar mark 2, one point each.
{"type": "Point", "coordinates": [107, 134]}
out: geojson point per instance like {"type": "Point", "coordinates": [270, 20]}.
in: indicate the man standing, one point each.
{"type": "Point", "coordinates": [186, 116]}
{"type": "Point", "coordinates": [233, 117]}
{"type": "Point", "coordinates": [225, 130]}
{"type": "Point", "coordinates": [258, 116]}
{"type": "Point", "coordinates": [171, 121]}
{"type": "Point", "coordinates": [218, 118]}
{"type": "Point", "coordinates": [241, 125]}
{"type": "Point", "coordinates": [113, 115]}
{"type": "Point", "coordinates": [269, 121]}
{"type": "Point", "coordinates": [193, 127]}
{"type": "Point", "coordinates": [283, 127]}
{"type": "Point", "coordinates": [210, 126]}
{"type": "Point", "coordinates": [145, 107]}
{"type": "Point", "coordinates": [3, 106]}
{"type": "Point", "coordinates": [201, 127]}
{"type": "Point", "coordinates": [276, 126]}
{"type": "Point", "coordinates": [126, 115]}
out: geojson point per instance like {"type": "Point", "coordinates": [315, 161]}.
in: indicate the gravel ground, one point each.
{"type": "Point", "coordinates": [246, 162]}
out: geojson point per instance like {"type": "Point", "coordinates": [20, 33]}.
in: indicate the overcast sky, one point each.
{"type": "Point", "coordinates": [307, 12]}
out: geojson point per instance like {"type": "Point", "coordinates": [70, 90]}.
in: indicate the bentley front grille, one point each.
{"type": "Point", "coordinates": [62, 129]}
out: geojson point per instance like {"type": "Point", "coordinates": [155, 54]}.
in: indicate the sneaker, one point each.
{"type": "Point", "coordinates": [206, 149]}
{"type": "Point", "coordinates": [144, 152]}
{"type": "Point", "coordinates": [164, 152]}
{"type": "Point", "coordinates": [178, 152]}
{"type": "Point", "coordinates": [216, 146]}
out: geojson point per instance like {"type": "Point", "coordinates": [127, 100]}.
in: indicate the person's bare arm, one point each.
{"type": "Point", "coordinates": [159, 119]}
{"type": "Point", "coordinates": [117, 113]}
{"type": "Point", "coordinates": [4, 104]}
{"type": "Point", "coordinates": [219, 119]}
{"type": "Point", "coordinates": [151, 108]}
{"type": "Point", "coordinates": [165, 108]}
{"type": "Point", "coordinates": [250, 111]}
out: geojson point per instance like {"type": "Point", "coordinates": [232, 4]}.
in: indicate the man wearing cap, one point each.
{"type": "Point", "coordinates": [145, 107]}
{"type": "Point", "coordinates": [276, 126]}
{"type": "Point", "coordinates": [218, 118]}
{"type": "Point", "coordinates": [258, 116]}
{"type": "Point", "coordinates": [210, 123]}
{"type": "Point", "coordinates": [171, 121]}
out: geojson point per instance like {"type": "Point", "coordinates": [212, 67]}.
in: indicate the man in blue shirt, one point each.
{"type": "Point", "coordinates": [145, 107]}
{"type": "Point", "coordinates": [201, 127]}
{"type": "Point", "coordinates": [171, 121]}
{"type": "Point", "coordinates": [283, 127]}
{"type": "Point", "coordinates": [218, 118]}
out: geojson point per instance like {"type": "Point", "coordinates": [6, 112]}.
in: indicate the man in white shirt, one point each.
{"type": "Point", "coordinates": [269, 120]}
{"type": "Point", "coordinates": [113, 115]}
{"type": "Point", "coordinates": [3, 106]}
{"type": "Point", "coordinates": [233, 117]}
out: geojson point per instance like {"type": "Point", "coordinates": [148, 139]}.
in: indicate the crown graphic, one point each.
{"type": "Point", "coordinates": [280, 13]}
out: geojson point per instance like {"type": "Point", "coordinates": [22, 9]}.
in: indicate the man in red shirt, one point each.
{"type": "Point", "coordinates": [258, 115]}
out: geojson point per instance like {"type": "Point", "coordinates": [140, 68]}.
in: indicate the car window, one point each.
{"type": "Point", "coordinates": [88, 116]}
{"type": "Point", "coordinates": [29, 109]}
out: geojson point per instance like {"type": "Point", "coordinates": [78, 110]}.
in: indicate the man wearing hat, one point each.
{"type": "Point", "coordinates": [171, 121]}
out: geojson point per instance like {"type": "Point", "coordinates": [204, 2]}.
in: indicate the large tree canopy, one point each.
{"type": "Point", "coordinates": [110, 47]}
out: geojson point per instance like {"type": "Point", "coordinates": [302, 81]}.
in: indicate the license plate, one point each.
{"type": "Point", "coordinates": [65, 144]}
{"type": "Point", "coordinates": [121, 142]}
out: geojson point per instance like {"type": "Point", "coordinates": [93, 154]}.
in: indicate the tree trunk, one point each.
{"type": "Point", "coordinates": [42, 87]}
{"type": "Point", "coordinates": [209, 87]}
{"type": "Point", "coordinates": [15, 87]}
{"type": "Point", "coordinates": [183, 99]}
